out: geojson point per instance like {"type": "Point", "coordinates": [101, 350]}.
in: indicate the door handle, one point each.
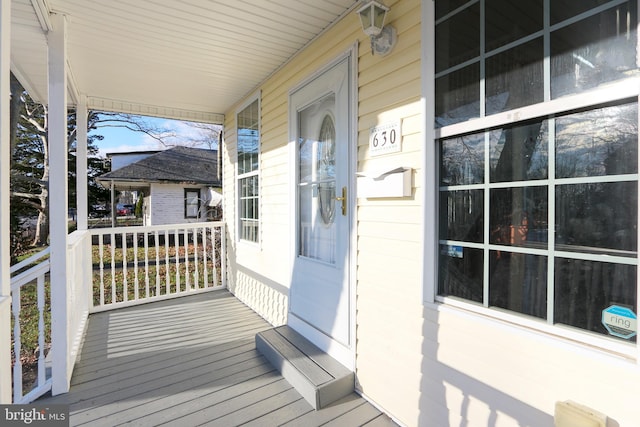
{"type": "Point", "coordinates": [343, 199]}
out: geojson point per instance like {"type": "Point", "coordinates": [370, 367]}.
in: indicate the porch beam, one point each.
{"type": "Point", "coordinates": [58, 203]}
{"type": "Point", "coordinates": [119, 106]}
{"type": "Point", "coordinates": [43, 12]}
{"type": "Point", "coordinates": [5, 156]}
{"type": "Point", "coordinates": [82, 185]}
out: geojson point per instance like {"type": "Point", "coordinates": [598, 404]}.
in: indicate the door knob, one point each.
{"type": "Point", "coordinates": [343, 199]}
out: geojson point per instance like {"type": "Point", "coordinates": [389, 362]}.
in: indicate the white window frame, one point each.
{"type": "Point", "coordinates": [255, 173]}
{"type": "Point", "coordinates": [618, 91]}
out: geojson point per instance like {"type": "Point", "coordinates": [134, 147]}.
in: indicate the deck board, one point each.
{"type": "Point", "coordinates": [189, 361]}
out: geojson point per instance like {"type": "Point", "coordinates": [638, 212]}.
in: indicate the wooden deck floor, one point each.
{"type": "Point", "coordinates": [190, 361]}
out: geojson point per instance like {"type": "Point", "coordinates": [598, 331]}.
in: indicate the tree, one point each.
{"type": "Point", "coordinates": [96, 165]}
{"type": "Point", "coordinates": [30, 168]}
{"type": "Point", "coordinates": [30, 164]}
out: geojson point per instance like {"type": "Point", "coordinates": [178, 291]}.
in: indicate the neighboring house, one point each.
{"type": "Point", "coordinates": [178, 184]}
{"type": "Point", "coordinates": [456, 221]}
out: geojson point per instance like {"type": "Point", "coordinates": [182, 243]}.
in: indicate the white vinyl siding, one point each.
{"type": "Point", "coordinates": [389, 262]}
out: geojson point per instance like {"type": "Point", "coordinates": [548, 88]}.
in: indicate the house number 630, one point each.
{"type": "Point", "coordinates": [381, 138]}
{"type": "Point", "coordinates": [385, 138]}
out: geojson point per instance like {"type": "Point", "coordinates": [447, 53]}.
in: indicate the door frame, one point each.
{"type": "Point", "coordinates": [345, 355]}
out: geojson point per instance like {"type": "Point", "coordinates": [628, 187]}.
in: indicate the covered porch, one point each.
{"type": "Point", "coordinates": [190, 361]}
{"type": "Point", "coordinates": [191, 62]}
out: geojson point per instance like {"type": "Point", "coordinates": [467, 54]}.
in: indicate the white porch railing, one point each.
{"type": "Point", "coordinates": [28, 296]}
{"type": "Point", "coordinates": [134, 265]}
{"type": "Point", "coordinates": [78, 298]}
{"type": "Point", "coordinates": [106, 269]}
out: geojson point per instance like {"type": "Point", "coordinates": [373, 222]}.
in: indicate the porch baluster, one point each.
{"type": "Point", "coordinates": [125, 284]}
{"type": "Point", "coordinates": [187, 278]}
{"type": "Point", "coordinates": [205, 268]}
{"type": "Point", "coordinates": [41, 331]}
{"type": "Point", "coordinates": [196, 275]}
{"type": "Point", "coordinates": [17, 345]}
{"type": "Point", "coordinates": [113, 268]}
{"type": "Point", "coordinates": [166, 264]}
{"type": "Point", "coordinates": [136, 284]}
{"type": "Point", "coordinates": [101, 260]}
{"type": "Point", "coordinates": [156, 242]}
{"type": "Point", "coordinates": [177, 251]}
{"type": "Point", "coordinates": [146, 264]}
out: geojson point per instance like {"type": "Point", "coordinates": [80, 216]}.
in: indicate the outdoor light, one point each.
{"type": "Point", "coordinates": [372, 17]}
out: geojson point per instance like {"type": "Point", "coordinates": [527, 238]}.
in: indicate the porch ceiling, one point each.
{"type": "Point", "coordinates": [188, 59]}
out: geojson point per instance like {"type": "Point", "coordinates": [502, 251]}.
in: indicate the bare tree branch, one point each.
{"type": "Point", "coordinates": [135, 124]}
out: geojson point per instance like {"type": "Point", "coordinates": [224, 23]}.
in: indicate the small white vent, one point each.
{"type": "Point", "coordinates": [572, 414]}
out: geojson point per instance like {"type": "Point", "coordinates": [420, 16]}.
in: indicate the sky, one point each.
{"type": "Point", "coordinates": [118, 139]}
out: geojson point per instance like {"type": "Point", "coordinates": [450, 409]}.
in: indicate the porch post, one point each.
{"type": "Point", "coordinates": [5, 156]}
{"type": "Point", "coordinates": [58, 204]}
{"type": "Point", "coordinates": [82, 186]}
{"type": "Point", "coordinates": [113, 204]}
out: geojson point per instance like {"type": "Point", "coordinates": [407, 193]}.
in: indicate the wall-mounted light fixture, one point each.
{"type": "Point", "coordinates": [372, 16]}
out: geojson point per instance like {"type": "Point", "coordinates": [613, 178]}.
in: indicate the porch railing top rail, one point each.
{"type": "Point", "coordinates": [31, 260]}
{"type": "Point", "coordinates": [153, 228]}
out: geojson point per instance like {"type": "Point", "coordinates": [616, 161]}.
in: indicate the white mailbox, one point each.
{"type": "Point", "coordinates": [395, 182]}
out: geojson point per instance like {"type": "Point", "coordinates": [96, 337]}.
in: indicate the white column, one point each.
{"type": "Point", "coordinates": [82, 186]}
{"type": "Point", "coordinates": [58, 204]}
{"type": "Point", "coordinates": [5, 155]}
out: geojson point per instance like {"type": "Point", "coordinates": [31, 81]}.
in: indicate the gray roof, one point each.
{"type": "Point", "coordinates": [183, 165]}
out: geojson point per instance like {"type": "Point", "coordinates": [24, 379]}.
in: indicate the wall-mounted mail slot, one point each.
{"type": "Point", "coordinates": [395, 182]}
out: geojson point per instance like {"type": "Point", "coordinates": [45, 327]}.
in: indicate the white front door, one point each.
{"type": "Point", "coordinates": [320, 297]}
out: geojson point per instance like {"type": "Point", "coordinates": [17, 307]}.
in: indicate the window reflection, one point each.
{"type": "Point", "coordinates": [446, 6]}
{"type": "Point", "coordinates": [593, 51]}
{"type": "Point", "coordinates": [519, 153]}
{"type": "Point", "coordinates": [458, 96]}
{"type": "Point", "coordinates": [462, 160]}
{"type": "Point", "coordinates": [583, 289]}
{"type": "Point", "coordinates": [598, 142]}
{"type": "Point", "coordinates": [507, 21]}
{"type": "Point", "coordinates": [461, 272]}
{"type": "Point", "coordinates": [565, 9]}
{"type": "Point", "coordinates": [599, 217]}
{"type": "Point", "coordinates": [248, 138]}
{"type": "Point", "coordinates": [461, 215]}
{"type": "Point", "coordinates": [518, 216]}
{"type": "Point", "coordinates": [518, 282]}
{"type": "Point", "coordinates": [514, 77]}
{"type": "Point", "coordinates": [456, 46]}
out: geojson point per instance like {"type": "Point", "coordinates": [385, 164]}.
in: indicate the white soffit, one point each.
{"type": "Point", "coordinates": [188, 59]}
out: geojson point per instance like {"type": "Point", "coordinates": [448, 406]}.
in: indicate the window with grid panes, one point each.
{"type": "Point", "coordinates": [248, 133]}
{"type": "Point", "coordinates": [538, 216]}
